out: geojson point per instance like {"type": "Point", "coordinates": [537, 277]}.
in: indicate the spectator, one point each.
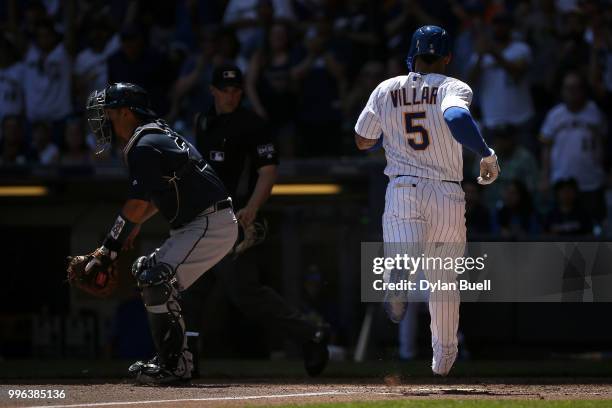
{"type": "Point", "coordinates": [11, 79]}
{"type": "Point", "coordinates": [401, 19]}
{"type": "Point", "coordinates": [396, 65]}
{"type": "Point", "coordinates": [472, 24]}
{"type": "Point", "coordinates": [371, 74]}
{"type": "Point", "coordinates": [573, 138]}
{"type": "Point", "coordinates": [269, 85]}
{"type": "Point", "coordinates": [539, 21]}
{"type": "Point", "coordinates": [90, 67]}
{"type": "Point", "coordinates": [47, 76]}
{"type": "Point", "coordinates": [44, 150]}
{"type": "Point", "coordinates": [322, 81]}
{"type": "Point", "coordinates": [190, 91]}
{"type": "Point", "coordinates": [573, 49]}
{"type": "Point", "coordinates": [12, 147]}
{"type": "Point", "coordinates": [567, 216]}
{"type": "Point", "coordinates": [137, 63]}
{"type": "Point", "coordinates": [33, 12]}
{"type": "Point", "coordinates": [516, 218]}
{"type": "Point", "coordinates": [477, 216]}
{"type": "Point", "coordinates": [499, 70]}
{"type": "Point", "coordinates": [250, 19]}
{"type": "Point", "coordinates": [518, 162]}
{"type": "Point", "coordinates": [269, 81]}
{"type": "Point", "coordinates": [76, 150]}
{"type": "Point", "coordinates": [228, 49]}
{"type": "Point", "coordinates": [191, 16]}
{"type": "Point", "coordinates": [601, 59]}
{"type": "Point", "coordinates": [360, 28]}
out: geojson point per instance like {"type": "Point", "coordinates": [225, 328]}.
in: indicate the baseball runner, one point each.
{"type": "Point", "coordinates": [425, 120]}
{"type": "Point", "coordinates": [167, 174]}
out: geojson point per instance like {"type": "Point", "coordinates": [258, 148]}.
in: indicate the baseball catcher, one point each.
{"type": "Point", "coordinates": [166, 175]}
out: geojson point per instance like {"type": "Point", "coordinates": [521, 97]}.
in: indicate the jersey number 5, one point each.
{"type": "Point", "coordinates": [418, 136]}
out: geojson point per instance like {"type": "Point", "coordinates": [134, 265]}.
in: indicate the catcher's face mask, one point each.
{"type": "Point", "coordinates": [98, 121]}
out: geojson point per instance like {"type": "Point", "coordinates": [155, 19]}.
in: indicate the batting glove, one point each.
{"type": "Point", "coordinates": [489, 169]}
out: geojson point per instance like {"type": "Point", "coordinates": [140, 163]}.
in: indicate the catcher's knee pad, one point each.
{"type": "Point", "coordinates": [157, 284]}
{"type": "Point", "coordinates": [139, 265]}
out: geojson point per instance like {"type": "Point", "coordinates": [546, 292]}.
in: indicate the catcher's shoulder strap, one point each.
{"type": "Point", "coordinates": [158, 126]}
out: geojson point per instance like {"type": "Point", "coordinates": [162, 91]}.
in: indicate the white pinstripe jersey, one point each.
{"type": "Point", "coordinates": [408, 112]}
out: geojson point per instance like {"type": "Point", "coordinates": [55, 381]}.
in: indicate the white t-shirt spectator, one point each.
{"type": "Point", "coordinates": [575, 151]}
{"type": "Point", "coordinates": [47, 84]}
{"type": "Point", "coordinates": [11, 92]}
{"type": "Point", "coordinates": [504, 100]}
{"type": "Point", "coordinates": [92, 66]}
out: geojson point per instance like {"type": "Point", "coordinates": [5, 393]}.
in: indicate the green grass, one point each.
{"type": "Point", "coordinates": [461, 404]}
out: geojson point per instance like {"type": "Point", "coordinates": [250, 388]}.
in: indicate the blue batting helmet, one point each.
{"type": "Point", "coordinates": [428, 40]}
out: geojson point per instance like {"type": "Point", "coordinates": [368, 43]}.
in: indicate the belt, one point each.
{"type": "Point", "coordinates": [445, 181]}
{"type": "Point", "coordinates": [218, 206]}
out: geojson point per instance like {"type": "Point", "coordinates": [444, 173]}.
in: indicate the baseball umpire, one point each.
{"type": "Point", "coordinates": [236, 143]}
{"type": "Point", "coordinates": [167, 174]}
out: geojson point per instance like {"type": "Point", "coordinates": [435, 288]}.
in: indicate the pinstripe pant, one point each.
{"type": "Point", "coordinates": [427, 217]}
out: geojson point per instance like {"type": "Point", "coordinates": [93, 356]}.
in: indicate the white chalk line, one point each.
{"type": "Point", "coordinates": [246, 397]}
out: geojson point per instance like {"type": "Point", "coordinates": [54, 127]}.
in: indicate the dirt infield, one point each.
{"type": "Point", "coordinates": [209, 393]}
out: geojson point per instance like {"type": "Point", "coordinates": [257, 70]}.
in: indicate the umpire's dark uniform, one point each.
{"type": "Point", "coordinates": [236, 144]}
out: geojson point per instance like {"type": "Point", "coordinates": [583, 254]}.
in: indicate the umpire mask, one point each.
{"type": "Point", "coordinates": [98, 122]}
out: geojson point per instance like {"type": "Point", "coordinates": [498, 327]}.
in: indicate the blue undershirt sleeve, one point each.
{"type": "Point", "coordinates": [464, 130]}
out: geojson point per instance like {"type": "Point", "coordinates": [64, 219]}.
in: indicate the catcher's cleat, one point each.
{"type": "Point", "coordinates": [160, 376]}
{"type": "Point", "coordinates": [153, 372]}
{"type": "Point", "coordinates": [139, 366]}
{"type": "Point", "coordinates": [316, 354]}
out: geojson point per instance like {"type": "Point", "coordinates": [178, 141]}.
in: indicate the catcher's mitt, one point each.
{"type": "Point", "coordinates": [100, 280]}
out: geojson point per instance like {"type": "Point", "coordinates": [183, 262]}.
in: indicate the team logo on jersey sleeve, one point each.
{"type": "Point", "coordinates": [266, 151]}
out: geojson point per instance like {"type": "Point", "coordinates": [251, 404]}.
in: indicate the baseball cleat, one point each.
{"type": "Point", "coordinates": [153, 373]}
{"type": "Point", "coordinates": [160, 376]}
{"type": "Point", "coordinates": [139, 366]}
{"type": "Point", "coordinates": [316, 354]}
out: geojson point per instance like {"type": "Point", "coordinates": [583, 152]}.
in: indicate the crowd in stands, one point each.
{"type": "Point", "coordinates": [541, 71]}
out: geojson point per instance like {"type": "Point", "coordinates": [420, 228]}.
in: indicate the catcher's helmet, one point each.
{"type": "Point", "coordinates": [116, 95]}
{"type": "Point", "coordinates": [428, 40]}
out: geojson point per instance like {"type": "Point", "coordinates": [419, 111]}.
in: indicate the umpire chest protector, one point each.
{"type": "Point", "coordinates": [167, 170]}
{"type": "Point", "coordinates": [235, 144]}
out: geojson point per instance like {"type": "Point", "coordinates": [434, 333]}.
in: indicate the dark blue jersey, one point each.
{"type": "Point", "coordinates": [168, 171]}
